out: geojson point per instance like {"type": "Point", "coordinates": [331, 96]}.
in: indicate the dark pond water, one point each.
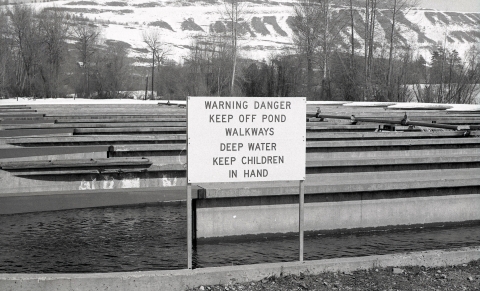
{"type": "Point", "coordinates": [154, 238]}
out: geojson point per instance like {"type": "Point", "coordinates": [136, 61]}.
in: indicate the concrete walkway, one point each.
{"type": "Point", "coordinates": [184, 279]}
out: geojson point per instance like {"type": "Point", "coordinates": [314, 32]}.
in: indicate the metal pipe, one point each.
{"type": "Point", "coordinates": [405, 121]}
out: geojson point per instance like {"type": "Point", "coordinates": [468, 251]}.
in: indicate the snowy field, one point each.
{"type": "Point", "coordinates": [266, 25]}
{"type": "Point", "coordinates": [59, 101]}
{"type": "Point", "coordinates": [391, 105]}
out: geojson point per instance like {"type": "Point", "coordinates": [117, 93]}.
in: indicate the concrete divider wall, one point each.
{"type": "Point", "coordinates": [52, 153]}
{"type": "Point", "coordinates": [91, 155]}
{"type": "Point", "coordinates": [281, 215]}
{"type": "Point", "coordinates": [92, 181]}
{"type": "Point", "coordinates": [383, 152]}
{"type": "Point", "coordinates": [157, 153]}
{"type": "Point", "coordinates": [51, 200]}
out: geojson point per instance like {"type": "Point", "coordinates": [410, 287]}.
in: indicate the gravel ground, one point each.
{"type": "Point", "coordinates": [460, 277]}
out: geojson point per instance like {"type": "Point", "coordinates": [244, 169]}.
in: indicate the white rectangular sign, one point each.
{"type": "Point", "coordinates": [244, 139]}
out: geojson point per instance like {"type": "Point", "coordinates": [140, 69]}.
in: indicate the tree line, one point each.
{"type": "Point", "coordinates": [50, 54]}
{"type": "Point", "coordinates": [374, 66]}
{"type": "Point", "coordinates": [338, 55]}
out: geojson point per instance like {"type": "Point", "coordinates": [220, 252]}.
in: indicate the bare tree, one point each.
{"type": "Point", "coordinates": [449, 79]}
{"type": "Point", "coordinates": [4, 54]}
{"type": "Point", "coordinates": [352, 34]}
{"type": "Point", "coordinates": [36, 44]}
{"type": "Point", "coordinates": [153, 41]}
{"type": "Point", "coordinates": [397, 7]}
{"type": "Point", "coordinates": [234, 10]}
{"type": "Point", "coordinates": [333, 24]}
{"type": "Point", "coordinates": [471, 75]}
{"type": "Point", "coordinates": [87, 37]}
{"type": "Point", "coordinates": [317, 29]}
{"type": "Point", "coordinates": [54, 33]}
{"type": "Point", "coordinates": [210, 64]}
{"type": "Point", "coordinates": [199, 67]}
{"type": "Point", "coordinates": [112, 70]}
{"type": "Point", "coordinates": [350, 73]}
{"type": "Point", "coordinates": [370, 25]}
{"type": "Point", "coordinates": [25, 37]}
{"type": "Point", "coordinates": [307, 35]}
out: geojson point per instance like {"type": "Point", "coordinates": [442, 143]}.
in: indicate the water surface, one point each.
{"type": "Point", "coordinates": [145, 238]}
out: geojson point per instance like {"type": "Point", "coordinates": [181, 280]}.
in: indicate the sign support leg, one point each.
{"type": "Point", "coordinates": [189, 225]}
{"type": "Point", "coordinates": [301, 217]}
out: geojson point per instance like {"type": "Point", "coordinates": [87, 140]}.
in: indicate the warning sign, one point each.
{"type": "Point", "coordinates": [242, 139]}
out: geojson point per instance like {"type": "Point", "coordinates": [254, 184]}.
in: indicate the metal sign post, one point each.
{"type": "Point", "coordinates": [189, 225]}
{"type": "Point", "coordinates": [301, 204]}
{"type": "Point", "coordinates": [189, 207]}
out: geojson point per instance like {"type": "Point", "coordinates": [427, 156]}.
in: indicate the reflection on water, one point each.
{"type": "Point", "coordinates": [154, 238]}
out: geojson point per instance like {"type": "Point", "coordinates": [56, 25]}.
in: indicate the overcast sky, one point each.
{"type": "Point", "coordinates": [452, 5]}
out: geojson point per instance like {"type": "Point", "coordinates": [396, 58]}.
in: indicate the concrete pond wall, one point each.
{"type": "Point", "coordinates": [279, 215]}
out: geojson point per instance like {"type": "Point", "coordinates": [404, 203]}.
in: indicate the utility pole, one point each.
{"type": "Point", "coordinates": [153, 68]}
{"type": "Point", "coordinates": [146, 87]}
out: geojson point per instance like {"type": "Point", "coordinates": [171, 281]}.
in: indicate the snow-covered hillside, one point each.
{"type": "Point", "coordinates": [266, 25]}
